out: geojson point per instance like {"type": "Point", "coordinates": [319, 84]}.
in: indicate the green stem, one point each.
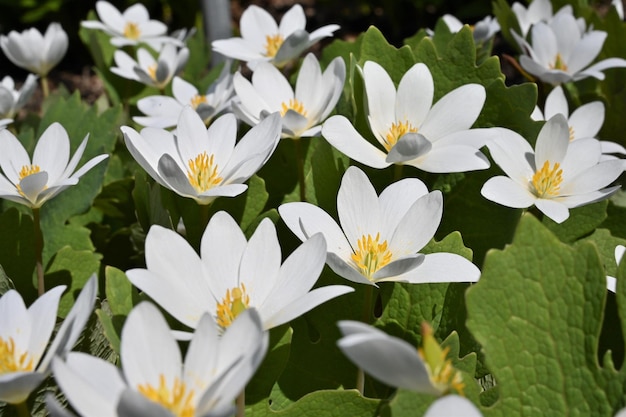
{"type": "Point", "coordinates": [397, 172]}
{"type": "Point", "coordinates": [38, 252]}
{"type": "Point", "coordinates": [205, 211]}
{"type": "Point", "coordinates": [44, 86]}
{"type": "Point", "coordinates": [365, 318]}
{"type": "Point", "coordinates": [22, 409]}
{"type": "Point", "coordinates": [300, 161]}
{"type": "Point", "coordinates": [241, 404]}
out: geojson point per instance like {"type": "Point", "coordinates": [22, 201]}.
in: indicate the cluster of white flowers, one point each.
{"type": "Point", "coordinates": [237, 288]}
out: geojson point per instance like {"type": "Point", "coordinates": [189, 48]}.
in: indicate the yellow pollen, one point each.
{"type": "Point", "coordinates": [396, 131]}
{"type": "Point", "coordinates": [371, 255]}
{"type": "Point", "coordinates": [131, 31]}
{"type": "Point", "coordinates": [234, 303]}
{"type": "Point", "coordinates": [11, 360]}
{"type": "Point", "coordinates": [202, 172]}
{"type": "Point", "coordinates": [546, 181]}
{"type": "Point", "coordinates": [294, 105]}
{"type": "Point", "coordinates": [559, 64]}
{"type": "Point", "coordinates": [197, 100]}
{"type": "Point", "coordinates": [441, 372]}
{"type": "Point", "coordinates": [152, 71]}
{"type": "Point", "coordinates": [572, 134]}
{"type": "Point", "coordinates": [177, 398]}
{"type": "Point", "coordinates": [272, 44]}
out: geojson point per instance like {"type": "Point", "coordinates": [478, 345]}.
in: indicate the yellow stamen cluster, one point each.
{"type": "Point", "coordinates": [396, 131]}
{"type": "Point", "coordinates": [131, 31]}
{"type": "Point", "coordinates": [559, 64]}
{"type": "Point", "coordinates": [441, 372]}
{"type": "Point", "coordinates": [177, 398]}
{"type": "Point", "coordinates": [203, 172]}
{"type": "Point", "coordinates": [152, 71]}
{"type": "Point", "coordinates": [234, 303]}
{"type": "Point", "coordinates": [25, 172]}
{"type": "Point", "coordinates": [272, 44]}
{"type": "Point", "coordinates": [294, 105]}
{"type": "Point", "coordinates": [197, 100]}
{"type": "Point", "coordinates": [12, 361]}
{"type": "Point", "coordinates": [546, 181]}
{"type": "Point", "coordinates": [572, 134]}
{"type": "Point", "coordinates": [370, 255]}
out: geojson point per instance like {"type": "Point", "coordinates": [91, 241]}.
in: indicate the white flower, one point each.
{"type": "Point", "coordinates": [33, 51]}
{"type": "Point", "coordinates": [315, 96]}
{"type": "Point", "coordinates": [262, 40]}
{"type": "Point", "coordinates": [561, 51]}
{"type": "Point", "coordinates": [12, 100]}
{"type": "Point", "coordinates": [24, 336]}
{"type": "Point", "coordinates": [164, 111]}
{"type": "Point", "coordinates": [232, 274]}
{"type": "Point", "coordinates": [556, 176]}
{"type": "Point", "coordinates": [413, 131]}
{"type": "Point", "coordinates": [154, 380]}
{"type": "Point", "coordinates": [50, 172]}
{"type": "Point", "coordinates": [483, 30]}
{"type": "Point", "coordinates": [156, 73]}
{"type": "Point", "coordinates": [611, 282]}
{"type": "Point", "coordinates": [203, 164]}
{"type": "Point", "coordinates": [619, 8]}
{"type": "Point", "coordinates": [452, 405]}
{"type": "Point", "coordinates": [585, 122]}
{"type": "Point", "coordinates": [380, 236]}
{"type": "Point", "coordinates": [131, 27]}
{"type": "Point", "coordinates": [397, 363]}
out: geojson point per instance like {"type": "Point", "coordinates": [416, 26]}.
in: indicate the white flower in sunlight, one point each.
{"type": "Point", "coordinates": [156, 73]}
{"type": "Point", "coordinates": [131, 27]}
{"type": "Point", "coordinates": [558, 175]}
{"type": "Point", "coordinates": [232, 274]}
{"type": "Point", "coordinates": [33, 51]}
{"type": "Point", "coordinates": [585, 122]}
{"type": "Point", "coordinates": [397, 363]}
{"type": "Point", "coordinates": [50, 172]}
{"type": "Point", "coordinates": [12, 100]}
{"type": "Point", "coordinates": [412, 131]}
{"type": "Point", "coordinates": [203, 164]}
{"type": "Point", "coordinates": [561, 51]}
{"type": "Point", "coordinates": [483, 30]}
{"type": "Point", "coordinates": [154, 379]}
{"type": "Point", "coordinates": [380, 236]}
{"type": "Point", "coordinates": [452, 405]}
{"type": "Point", "coordinates": [24, 336]}
{"type": "Point", "coordinates": [263, 40]}
{"type": "Point", "coordinates": [302, 111]}
{"type": "Point", "coordinates": [611, 282]}
{"type": "Point", "coordinates": [619, 8]}
{"type": "Point", "coordinates": [164, 111]}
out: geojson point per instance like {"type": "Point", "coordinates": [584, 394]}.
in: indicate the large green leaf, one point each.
{"type": "Point", "coordinates": [537, 311]}
{"type": "Point", "coordinates": [17, 251]}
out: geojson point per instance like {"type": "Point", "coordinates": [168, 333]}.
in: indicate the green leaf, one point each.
{"type": "Point", "coordinates": [323, 404]}
{"type": "Point", "coordinates": [5, 282]}
{"type": "Point", "coordinates": [537, 311]}
{"type": "Point", "coordinates": [17, 251]}
{"type": "Point", "coordinates": [72, 268]}
{"type": "Point", "coordinates": [581, 222]}
{"type": "Point", "coordinates": [148, 204]}
{"type": "Point", "coordinates": [119, 291]}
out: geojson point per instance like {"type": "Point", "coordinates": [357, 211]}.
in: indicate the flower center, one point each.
{"type": "Point", "coordinates": [371, 255]}
{"type": "Point", "coordinates": [396, 131]}
{"type": "Point", "coordinates": [11, 360]}
{"type": "Point", "coordinates": [234, 303]}
{"type": "Point", "coordinates": [152, 71]}
{"type": "Point", "coordinates": [176, 398]}
{"type": "Point", "coordinates": [294, 105]}
{"type": "Point", "coordinates": [559, 64]}
{"type": "Point", "coordinates": [441, 372]}
{"type": "Point", "coordinates": [197, 100]}
{"type": "Point", "coordinates": [202, 172]}
{"type": "Point", "coordinates": [272, 44]}
{"type": "Point", "coordinates": [25, 172]}
{"type": "Point", "coordinates": [547, 181]}
{"type": "Point", "coordinates": [131, 31]}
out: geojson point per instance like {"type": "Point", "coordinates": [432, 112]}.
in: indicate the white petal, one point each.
{"type": "Point", "coordinates": [586, 121]}
{"type": "Point", "coordinates": [443, 267]}
{"type": "Point", "coordinates": [452, 405]}
{"type": "Point", "coordinates": [357, 206]}
{"type": "Point", "coordinates": [415, 95]}
{"type": "Point", "coordinates": [509, 193]}
{"type": "Point", "coordinates": [13, 156]}
{"type": "Point", "coordinates": [552, 141]}
{"type": "Point", "coordinates": [452, 158]}
{"type": "Point", "coordinates": [397, 198]}
{"type": "Point", "coordinates": [556, 103]}
{"type": "Point", "coordinates": [42, 315]}
{"type": "Point", "coordinates": [553, 209]}
{"type": "Point", "coordinates": [381, 97]}
{"type": "Point", "coordinates": [52, 152]}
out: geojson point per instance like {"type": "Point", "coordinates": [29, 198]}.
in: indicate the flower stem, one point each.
{"type": "Point", "coordinates": [241, 404]}
{"type": "Point", "coordinates": [397, 172]}
{"type": "Point", "coordinates": [38, 252]}
{"type": "Point", "coordinates": [365, 318]}
{"type": "Point", "coordinates": [44, 86]}
{"type": "Point", "coordinates": [300, 162]}
{"type": "Point", "coordinates": [22, 409]}
{"type": "Point", "coordinates": [205, 211]}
